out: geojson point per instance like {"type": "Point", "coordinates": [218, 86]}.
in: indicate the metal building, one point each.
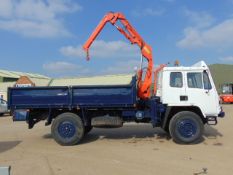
{"type": "Point", "coordinates": [9, 78]}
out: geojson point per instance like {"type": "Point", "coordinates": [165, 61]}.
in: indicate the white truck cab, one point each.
{"type": "Point", "coordinates": [190, 87]}
{"type": "Point", "coordinates": [191, 101]}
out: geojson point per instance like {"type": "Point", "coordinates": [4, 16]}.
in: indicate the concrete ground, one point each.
{"type": "Point", "coordinates": [133, 149]}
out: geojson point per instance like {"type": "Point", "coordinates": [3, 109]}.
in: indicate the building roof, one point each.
{"type": "Point", "coordinates": [41, 81]}
{"type": "Point", "coordinates": [38, 82]}
{"type": "Point", "coordinates": [122, 79]}
{"type": "Point", "coordinates": [14, 74]}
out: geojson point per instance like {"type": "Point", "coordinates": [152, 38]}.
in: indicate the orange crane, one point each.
{"type": "Point", "coordinates": [144, 86]}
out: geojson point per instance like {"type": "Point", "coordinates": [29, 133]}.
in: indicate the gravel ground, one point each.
{"type": "Point", "coordinates": [134, 149]}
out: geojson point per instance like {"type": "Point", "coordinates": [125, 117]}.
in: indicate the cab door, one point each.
{"type": "Point", "coordinates": [201, 92]}
{"type": "Point", "coordinates": [173, 88]}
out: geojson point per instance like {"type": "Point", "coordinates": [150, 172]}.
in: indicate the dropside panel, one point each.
{"type": "Point", "coordinates": [22, 98]}
{"type": "Point", "coordinates": [104, 96]}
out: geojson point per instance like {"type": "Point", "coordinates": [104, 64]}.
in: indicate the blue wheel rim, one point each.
{"type": "Point", "coordinates": [66, 129]}
{"type": "Point", "coordinates": [187, 128]}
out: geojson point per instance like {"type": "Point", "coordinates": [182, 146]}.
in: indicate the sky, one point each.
{"type": "Point", "coordinates": [46, 36]}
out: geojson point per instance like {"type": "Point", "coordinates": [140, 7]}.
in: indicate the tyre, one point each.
{"type": "Point", "coordinates": [186, 127]}
{"type": "Point", "coordinates": [67, 129]}
{"type": "Point", "coordinates": [87, 129]}
{"type": "Point", "coordinates": [1, 114]}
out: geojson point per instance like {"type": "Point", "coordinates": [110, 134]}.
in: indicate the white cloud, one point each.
{"type": "Point", "coordinates": [192, 39]}
{"type": "Point", "coordinates": [35, 18]}
{"type": "Point", "coordinates": [126, 67]}
{"type": "Point", "coordinates": [199, 19]}
{"type": "Point", "coordinates": [34, 29]}
{"type": "Point", "coordinates": [5, 8]}
{"type": "Point", "coordinates": [123, 67]}
{"type": "Point", "coordinates": [227, 59]}
{"type": "Point", "coordinates": [148, 12]}
{"type": "Point", "coordinates": [64, 67]}
{"type": "Point", "coordinates": [218, 36]}
{"type": "Point", "coordinates": [103, 49]}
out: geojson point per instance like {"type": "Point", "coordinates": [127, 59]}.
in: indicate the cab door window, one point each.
{"type": "Point", "coordinates": [195, 80]}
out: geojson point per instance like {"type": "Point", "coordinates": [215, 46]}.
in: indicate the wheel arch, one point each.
{"type": "Point", "coordinates": [172, 110]}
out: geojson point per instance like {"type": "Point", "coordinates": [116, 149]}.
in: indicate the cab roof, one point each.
{"type": "Point", "coordinates": [201, 65]}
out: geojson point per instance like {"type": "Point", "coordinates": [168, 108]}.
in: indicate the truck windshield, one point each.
{"type": "Point", "coordinates": [206, 80]}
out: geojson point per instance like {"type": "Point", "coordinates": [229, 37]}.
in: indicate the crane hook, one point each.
{"type": "Point", "coordinates": [87, 55]}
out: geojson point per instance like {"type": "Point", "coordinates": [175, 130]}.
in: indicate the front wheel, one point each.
{"type": "Point", "coordinates": [186, 127]}
{"type": "Point", "coordinates": [67, 129]}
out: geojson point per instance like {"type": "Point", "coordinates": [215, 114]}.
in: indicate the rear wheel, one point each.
{"type": "Point", "coordinates": [186, 127]}
{"type": "Point", "coordinates": [1, 114]}
{"type": "Point", "coordinates": [67, 129]}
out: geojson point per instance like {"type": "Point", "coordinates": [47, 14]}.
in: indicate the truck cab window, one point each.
{"type": "Point", "coordinates": [194, 80]}
{"type": "Point", "coordinates": [176, 79]}
{"type": "Point", "coordinates": [206, 80]}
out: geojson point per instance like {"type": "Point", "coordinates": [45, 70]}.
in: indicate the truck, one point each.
{"type": "Point", "coordinates": [227, 93]}
{"type": "Point", "coordinates": [184, 101]}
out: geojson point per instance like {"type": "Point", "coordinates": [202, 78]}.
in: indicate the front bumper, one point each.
{"type": "Point", "coordinates": [212, 120]}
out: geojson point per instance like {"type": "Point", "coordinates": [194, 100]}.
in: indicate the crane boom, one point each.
{"type": "Point", "coordinates": [132, 35]}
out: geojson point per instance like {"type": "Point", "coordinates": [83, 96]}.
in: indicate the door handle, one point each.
{"type": "Point", "coordinates": [207, 91]}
